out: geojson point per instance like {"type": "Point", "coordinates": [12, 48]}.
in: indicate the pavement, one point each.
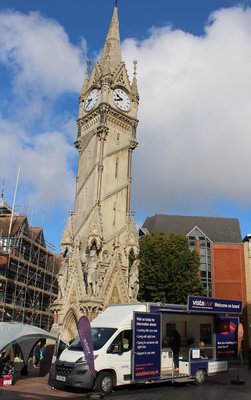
{"type": "Point", "coordinates": [34, 387]}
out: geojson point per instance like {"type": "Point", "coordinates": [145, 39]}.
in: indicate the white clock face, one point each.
{"type": "Point", "coordinates": [121, 99]}
{"type": "Point", "coordinates": [91, 99]}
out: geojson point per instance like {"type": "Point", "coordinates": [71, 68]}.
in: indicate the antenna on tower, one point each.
{"type": "Point", "coordinates": [2, 195]}
{"type": "Point", "coordinates": [116, 3]}
{"type": "Point", "coordinates": [13, 204]}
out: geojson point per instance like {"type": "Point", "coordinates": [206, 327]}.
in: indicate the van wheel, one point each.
{"type": "Point", "coordinates": [200, 376]}
{"type": "Point", "coordinates": [104, 383]}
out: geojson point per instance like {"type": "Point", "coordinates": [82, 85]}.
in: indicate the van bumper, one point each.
{"type": "Point", "coordinates": [73, 374]}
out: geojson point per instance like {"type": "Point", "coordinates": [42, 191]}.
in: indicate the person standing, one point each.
{"type": "Point", "coordinates": [36, 354]}
{"type": "Point", "coordinates": [175, 347]}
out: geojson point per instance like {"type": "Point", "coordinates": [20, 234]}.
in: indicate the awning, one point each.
{"type": "Point", "coordinates": [25, 335]}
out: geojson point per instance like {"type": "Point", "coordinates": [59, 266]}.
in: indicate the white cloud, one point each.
{"type": "Point", "coordinates": [194, 131]}
{"type": "Point", "coordinates": [35, 132]}
{"type": "Point", "coordinates": [40, 55]}
{"type": "Point", "coordinates": [46, 179]}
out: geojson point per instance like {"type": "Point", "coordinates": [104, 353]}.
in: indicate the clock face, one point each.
{"type": "Point", "coordinates": [121, 99]}
{"type": "Point", "coordinates": [91, 99]}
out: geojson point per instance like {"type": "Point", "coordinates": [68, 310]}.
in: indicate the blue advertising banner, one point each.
{"type": "Point", "coordinates": [226, 337]}
{"type": "Point", "coordinates": [85, 334]}
{"type": "Point", "coordinates": [147, 346]}
{"type": "Point", "coordinates": [209, 304]}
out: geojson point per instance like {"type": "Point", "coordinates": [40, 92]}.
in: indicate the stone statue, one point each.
{"type": "Point", "coordinates": [134, 280]}
{"type": "Point", "coordinates": [92, 273]}
{"type": "Point", "coordinates": [62, 276]}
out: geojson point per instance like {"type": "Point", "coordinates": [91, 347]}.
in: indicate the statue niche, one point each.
{"type": "Point", "coordinates": [134, 280]}
{"type": "Point", "coordinates": [62, 274]}
{"type": "Point", "coordinates": [92, 271]}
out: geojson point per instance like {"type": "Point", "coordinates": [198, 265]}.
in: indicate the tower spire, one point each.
{"type": "Point", "coordinates": [111, 55]}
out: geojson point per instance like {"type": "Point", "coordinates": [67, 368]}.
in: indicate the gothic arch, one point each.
{"type": "Point", "coordinates": [70, 324]}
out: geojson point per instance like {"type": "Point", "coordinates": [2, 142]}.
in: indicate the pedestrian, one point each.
{"type": "Point", "coordinates": [7, 356]}
{"type": "Point", "coordinates": [203, 353]}
{"type": "Point", "coordinates": [7, 360]}
{"type": "Point", "coordinates": [38, 353]}
{"type": "Point", "coordinates": [175, 347]}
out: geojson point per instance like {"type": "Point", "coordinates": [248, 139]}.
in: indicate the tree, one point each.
{"type": "Point", "coordinates": [169, 270]}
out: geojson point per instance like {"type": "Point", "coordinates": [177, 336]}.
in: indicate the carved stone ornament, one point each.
{"type": "Point", "coordinates": [132, 239]}
{"type": "Point", "coordinates": [102, 132]}
{"type": "Point", "coordinates": [95, 234]}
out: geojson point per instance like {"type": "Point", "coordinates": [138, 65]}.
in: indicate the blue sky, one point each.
{"type": "Point", "coordinates": [194, 62]}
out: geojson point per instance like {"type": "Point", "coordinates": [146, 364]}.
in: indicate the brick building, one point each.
{"type": "Point", "coordinates": [247, 255]}
{"type": "Point", "coordinates": [219, 245]}
{"type": "Point", "coordinates": [28, 269]}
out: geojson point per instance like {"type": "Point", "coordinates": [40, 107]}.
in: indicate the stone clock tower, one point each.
{"type": "Point", "coordinates": [100, 236]}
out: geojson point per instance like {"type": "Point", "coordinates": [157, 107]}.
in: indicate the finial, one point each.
{"type": "Point", "coordinates": [116, 3]}
{"type": "Point", "coordinates": [88, 66]}
{"type": "Point", "coordinates": [135, 62]}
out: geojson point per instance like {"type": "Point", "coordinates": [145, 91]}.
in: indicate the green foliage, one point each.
{"type": "Point", "coordinates": [169, 270]}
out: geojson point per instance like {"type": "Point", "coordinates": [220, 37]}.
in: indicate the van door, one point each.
{"type": "Point", "coordinates": [120, 355]}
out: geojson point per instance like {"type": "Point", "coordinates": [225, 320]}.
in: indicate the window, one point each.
{"type": "Point", "coordinates": [206, 333]}
{"type": "Point", "coordinates": [99, 337]}
{"type": "Point", "coordinates": [169, 329]}
{"type": "Point", "coordinates": [116, 167]}
{"type": "Point", "coordinates": [122, 343]}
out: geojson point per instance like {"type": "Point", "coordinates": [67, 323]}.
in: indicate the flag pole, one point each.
{"type": "Point", "coordinates": [13, 204]}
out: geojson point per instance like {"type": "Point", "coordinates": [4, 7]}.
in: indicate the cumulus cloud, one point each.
{"type": "Point", "coordinates": [40, 55]}
{"type": "Point", "coordinates": [46, 177]}
{"type": "Point", "coordinates": [36, 130]}
{"type": "Point", "coordinates": [194, 132]}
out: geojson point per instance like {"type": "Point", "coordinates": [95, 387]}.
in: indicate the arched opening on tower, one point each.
{"type": "Point", "coordinates": [70, 326]}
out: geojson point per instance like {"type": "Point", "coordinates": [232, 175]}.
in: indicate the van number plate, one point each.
{"type": "Point", "coordinates": [60, 378]}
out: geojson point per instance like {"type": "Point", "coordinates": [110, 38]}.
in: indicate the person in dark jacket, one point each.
{"type": "Point", "coordinates": [175, 347]}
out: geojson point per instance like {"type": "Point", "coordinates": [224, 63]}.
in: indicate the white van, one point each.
{"type": "Point", "coordinates": [131, 344]}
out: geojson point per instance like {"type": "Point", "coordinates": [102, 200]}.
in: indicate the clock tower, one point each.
{"type": "Point", "coordinates": [100, 236]}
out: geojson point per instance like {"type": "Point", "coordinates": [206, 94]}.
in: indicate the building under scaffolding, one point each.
{"type": "Point", "coordinates": [28, 271]}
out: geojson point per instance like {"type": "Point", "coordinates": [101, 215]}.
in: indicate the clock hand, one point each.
{"type": "Point", "coordinates": [118, 98]}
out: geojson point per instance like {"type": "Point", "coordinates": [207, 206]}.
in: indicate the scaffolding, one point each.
{"type": "Point", "coordinates": [28, 276]}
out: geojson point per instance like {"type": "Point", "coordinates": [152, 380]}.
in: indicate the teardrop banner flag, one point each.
{"type": "Point", "coordinates": [85, 334]}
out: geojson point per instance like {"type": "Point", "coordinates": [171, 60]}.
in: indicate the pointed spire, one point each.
{"type": "Point", "coordinates": [86, 81]}
{"type": "Point", "coordinates": [135, 91]}
{"type": "Point", "coordinates": [111, 55]}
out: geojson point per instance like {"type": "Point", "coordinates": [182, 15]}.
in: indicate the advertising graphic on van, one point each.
{"type": "Point", "coordinates": [214, 305]}
{"type": "Point", "coordinates": [226, 337]}
{"type": "Point", "coordinates": [147, 346]}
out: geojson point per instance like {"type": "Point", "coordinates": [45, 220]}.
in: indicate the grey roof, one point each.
{"type": "Point", "coordinates": [219, 230]}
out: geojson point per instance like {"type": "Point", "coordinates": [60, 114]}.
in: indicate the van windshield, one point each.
{"type": "Point", "coordinates": [99, 338]}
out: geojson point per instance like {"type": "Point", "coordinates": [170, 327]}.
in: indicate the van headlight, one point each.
{"type": "Point", "coordinates": [83, 360]}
